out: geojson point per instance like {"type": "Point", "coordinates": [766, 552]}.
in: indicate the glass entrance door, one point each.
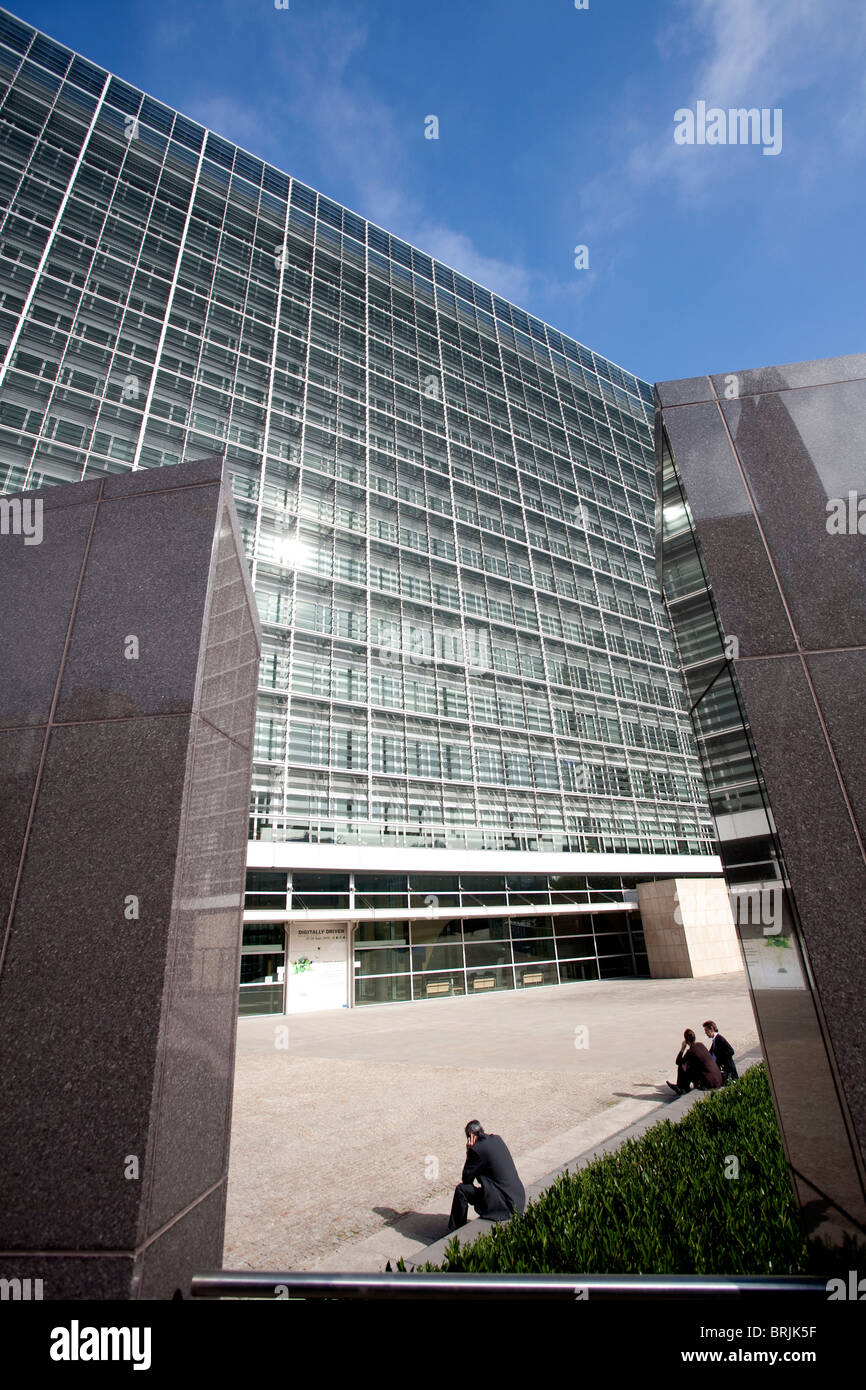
{"type": "Point", "coordinates": [263, 969]}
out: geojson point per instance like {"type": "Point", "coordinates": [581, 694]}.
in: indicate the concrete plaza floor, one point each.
{"type": "Point", "coordinates": [347, 1128]}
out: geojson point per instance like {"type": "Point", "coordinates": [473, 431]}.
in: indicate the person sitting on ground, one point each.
{"type": "Point", "coordinates": [722, 1052]}
{"type": "Point", "coordinates": [683, 1083]}
{"type": "Point", "coordinates": [500, 1191]}
{"type": "Point", "coordinates": [695, 1067]}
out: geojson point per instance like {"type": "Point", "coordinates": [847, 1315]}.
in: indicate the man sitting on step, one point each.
{"type": "Point", "coordinates": [500, 1191]}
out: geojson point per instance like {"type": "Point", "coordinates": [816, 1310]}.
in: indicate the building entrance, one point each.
{"type": "Point", "coordinates": [263, 969]}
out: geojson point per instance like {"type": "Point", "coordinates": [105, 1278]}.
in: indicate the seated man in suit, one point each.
{"type": "Point", "coordinates": [722, 1051]}
{"type": "Point", "coordinates": [500, 1191]}
{"type": "Point", "coordinates": [695, 1067]}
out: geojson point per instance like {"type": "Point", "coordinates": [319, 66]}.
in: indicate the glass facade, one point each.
{"type": "Point", "coordinates": [403, 959]}
{"type": "Point", "coordinates": [420, 960]}
{"type": "Point", "coordinates": [446, 504]}
{"type": "Point", "coordinates": [721, 729]}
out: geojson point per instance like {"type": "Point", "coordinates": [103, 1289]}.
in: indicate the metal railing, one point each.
{"type": "Point", "coordinates": [270, 827]}
{"type": "Point", "coordinates": [560, 1287]}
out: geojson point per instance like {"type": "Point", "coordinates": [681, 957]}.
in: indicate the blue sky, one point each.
{"type": "Point", "coordinates": [555, 129]}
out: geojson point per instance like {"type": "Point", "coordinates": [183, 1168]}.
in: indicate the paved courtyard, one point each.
{"type": "Point", "coordinates": [347, 1129]}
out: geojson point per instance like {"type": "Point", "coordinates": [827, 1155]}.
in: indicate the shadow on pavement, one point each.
{"type": "Point", "coordinates": [415, 1225]}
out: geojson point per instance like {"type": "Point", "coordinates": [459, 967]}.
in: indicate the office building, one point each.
{"type": "Point", "coordinates": [473, 744]}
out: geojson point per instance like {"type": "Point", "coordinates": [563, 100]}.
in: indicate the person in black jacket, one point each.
{"type": "Point", "coordinates": [722, 1051]}
{"type": "Point", "coordinates": [500, 1191]}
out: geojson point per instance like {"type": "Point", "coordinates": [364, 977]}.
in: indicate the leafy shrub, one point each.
{"type": "Point", "coordinates": [662, 1204]}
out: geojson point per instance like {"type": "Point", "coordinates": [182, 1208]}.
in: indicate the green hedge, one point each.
{"type": "Point", "coordinates": [662, 1204]}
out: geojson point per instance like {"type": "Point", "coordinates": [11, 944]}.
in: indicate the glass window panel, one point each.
{"type": "Point", "coordinates": [482, 890]}
{"type": "Point", "coordinates": [430, 957]}
{"type": "Point", "coordinates": [439, 985]}
{"type": "Point", "coordinates": [381, 890]}
{"type": "Point", "coordinates": [485, 928]}
{"type": "Point", "coordinates": [613, 943]}
{"type": "Point", "coordinates": [530, 976]}
{"type": "Point", "coordinates": [382, 931]}
{"type": "Point", "coordinates": [541, 949]}
{"type": "Point", "coordinates": [265, 934]}
{"type": "Point", "coordinates": [266, 880]}
{"type": "Point", "coordinates": [573, 947]}
{"type": "Point", "coordinates": [431, 932]}
{"type": "Point", "coordinates": [261, 999]}
{"type": "Point", "coordinates": [320, 890]}
{"type": "Point", "coordinates": [488, 953]}
{"type": "Point", "coordinates": [578, 970]}
{"type": "Point", "coordinates": [490, 979]}
{"type": "Point", "coordinates": [381, 960]}
{"type": "Point", "coordinates": [260, 968]}
{"type": "Point", "coordinates": [523, 927]}
{"type": "Point", "coordinates": [614, 967]}
{"type": "Point", "coordinates": [443, 887]}
{"type": "Point", "coordinates": [387, 989]}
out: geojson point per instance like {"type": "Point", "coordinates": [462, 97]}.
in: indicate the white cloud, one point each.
{"type": "Point", "coordinates": [237, 121]}
{"type": "Point", "coordinates": [762, 50]}
{"type": "Point", "coordinates": [763, 53]}
{"type": "Point", "coordinates": [513, 281]}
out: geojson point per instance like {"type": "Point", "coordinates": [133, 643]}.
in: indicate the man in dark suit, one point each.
{"type": "Point", "coordinates": [695, 1067]}
{"type": "Point", "coordinates": [500, 1191]}
{"type": "Point", "coordinates": [722, 1051]}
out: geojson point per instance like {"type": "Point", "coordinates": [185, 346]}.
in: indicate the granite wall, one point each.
{"type": "Point", "coordinates": [129, 649]}
{"type": "Point", "coordinates": [772, 464]}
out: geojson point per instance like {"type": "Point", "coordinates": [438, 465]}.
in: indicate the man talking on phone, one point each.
{"type": "Point", "coordinates": [499, 1192]}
